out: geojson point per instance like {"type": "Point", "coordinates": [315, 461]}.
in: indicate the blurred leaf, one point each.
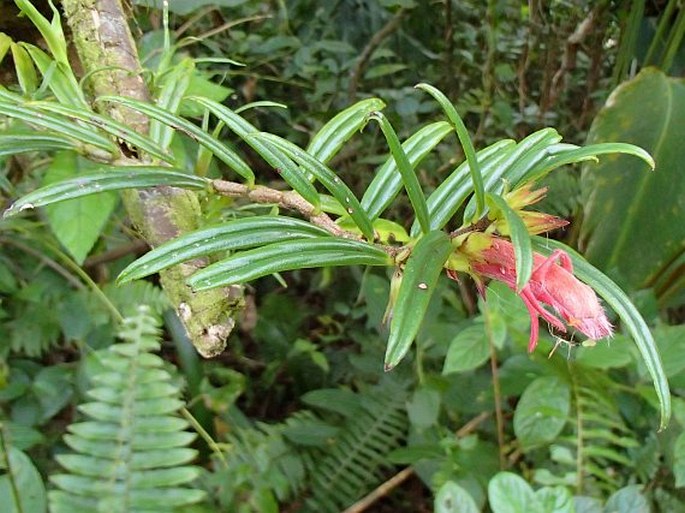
{"type": "Point", "coordinates": [424, 408]}
{"type": "Point", "coordinates": [420, 278]}
{"type": "Point", "coordinates": [509, 493]}
{"type": "Point", "coordinates": [25, 482]}
{"type": "Point", "coordinates": [452, 498]}
{"type": "Point", "coordinates": [628, 499]}
{"type": "Point", "coordinates": [77, 223]}
{"type": "Point", "coordinates": [542, 411]}
{"type": "Point", "coordinates": [679, 460]}
{"type": "Point", "coordinates": [611, 354]}
{"type": "Point", "coordinates": [626, 206]}
{"type": "Point", "coordinates": [468, 350]}
{"type": "Point", "coordinates": [555, 500]}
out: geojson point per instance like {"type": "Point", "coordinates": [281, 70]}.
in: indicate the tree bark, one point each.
{"type": "Point", "coordinates": [108, 54]}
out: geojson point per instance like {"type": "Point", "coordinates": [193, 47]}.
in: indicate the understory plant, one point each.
{"type": "Point", "coordinates": [233, 226]}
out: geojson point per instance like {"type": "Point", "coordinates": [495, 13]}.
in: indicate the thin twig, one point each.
{"type": "Point", "coordinates": [388, 486]}
{"type": "Point", "coordinates": [363, 61]}
{"type": "Point", "coordinates": [497, 392]}
{"type": "Point", "coordinates": [134, 247]}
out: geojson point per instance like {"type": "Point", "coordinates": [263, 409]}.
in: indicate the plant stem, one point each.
{"type": "Point", "coordinates": [496, 390]}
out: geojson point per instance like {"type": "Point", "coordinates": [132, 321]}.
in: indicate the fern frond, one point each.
{"type": "Point", "coordinates": [132, 456]}
{"type": "Point", "coordinates": [353, 465]}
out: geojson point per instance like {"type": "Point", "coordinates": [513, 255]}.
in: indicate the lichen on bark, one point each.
{"type": "Point", "coordinates": [108, 55]}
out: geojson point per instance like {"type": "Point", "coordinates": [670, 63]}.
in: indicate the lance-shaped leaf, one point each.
{"type": "Point", "coordinates": [575, 155]}
{"type": "Point", "coordinates": [285, 167]}
{"type": "Point", "coordinates": [328, 179]}
{"type": "Point", "coordinates": [114, 179]}
{"type": "Point", "coordinates": [175, 85]}
{"type": "Point", "coordinates": [520, 239]}
{"type": "Point", "coordinates": [466, 144]}
{"type": "Point", "coordinates": [444, 202]}
{"type": "Point", "coordinates": [420, 278]}
{"type": "Point", "coordinates": [409, 179]}
{"type": "Point", "coordinates": [286, 256]}
{"type": "Point", "coordinates": [109, 125]}
{"type": "Point", "coordinates": [388, 181]}
{"type": "Point", "coordinates": [629, 315]}
{"type": "Point", "coordinates": [52, 122]}
{"type": "Point", "coordinates": [22, 141]}
{"type": "Point", "coordinates": [330, 138]}
{"type": "Point", "coordinates": [239, 234]}
{"type": "Point", "coordinates": [26, 73]}
{"type": "Point", "coordinates": [527, 154]}
{"type": "Point", "coordinates": [219, 149]}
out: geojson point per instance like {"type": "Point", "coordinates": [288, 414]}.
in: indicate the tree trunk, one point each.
{"type": "Point", "coordinates": [108, 54]}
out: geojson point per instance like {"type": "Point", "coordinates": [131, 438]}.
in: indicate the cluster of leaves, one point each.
{"type": "Point", "coordinates": [569, 425]}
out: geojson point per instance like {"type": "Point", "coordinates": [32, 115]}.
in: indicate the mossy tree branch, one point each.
{"type": "Point", "coordinates": [108, 54]}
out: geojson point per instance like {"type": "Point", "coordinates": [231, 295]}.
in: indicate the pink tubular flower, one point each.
{"type": "Point", "coordinates": [551, 284]}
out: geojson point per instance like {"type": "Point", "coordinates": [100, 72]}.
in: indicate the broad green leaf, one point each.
{"type": "Point", "coordinates": [409, 178]}
{"type": "Point", "coordinates": [330, 138]}
{"type": "Point", "coordinates": [285, 256]}
{"type": "Point", "coordinates": [679, 460]}
{"type": "Point", "coordinates": [468, 350]}
{"type": "Point", "coordinates": [219, 149]}
{"type": "Point", "coordinates": [109, 125]}
{"type": "Point", "coordinates": [575, 155]}
{"type": "Point", "coordinates": [26, 483]}
{"type": "Point", "coordinates": [631, 229]}
{"type": "Point", "coordinates": [388, 181]}
{"type": "Point", "coordinates": [59, 125]}
{"type": "Point", "coordinates": [628, 499]}
{"type": "Point", "coordinates": [605, 355]}
{"type": "Point", "coordinates": [328, 178]}
{"type": "Point", "coordinates": [76, 223]}
{"type": "Point", "coordinates": [466, 144]}
{"type": "Point", "coordinates": [452, 498]}
{"type": "Point", "coordinates": [542, 411]}
{"type": "Point", "coordinates": [555, 499]}
{"type": "Point", "coordinates": [116, 178]}
{"type": "Point", "coordinates": [444, 202]}
{"type": "Point", "coordinates": [423, 408]}
{"type": "Point", "coordinates": [520, 239]}
{"type": "Point", "coordinates": [13, 142]}
{"type": "Point", "coordinates": [285, 167]}
{"type": "Point", "coordinates": [230, 236]}
{"type": "Point", "coordinates": [26, 73]}
{"type": "Point", "coordinates": [509, 493]}
{"type": "Point", "coordinates": [419, 280]}
{"type": "Point", "coordinates": [525, 155]}
{"type": "Point", "coordinates": [631, 319]}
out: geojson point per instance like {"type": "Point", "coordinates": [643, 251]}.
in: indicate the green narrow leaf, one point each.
{"type": "Point", "coordinates": [22, 141]}
{"type": "Point", "coordinates": [520, 239]}
{"type": "Point", "coordinates": [388, 181]}
{"type": "Point", "coordinates": [629, 315]}
{"type": "Point", "coordinates": [444, 202]}
{"type": "Point", "coordinates": [109, 125]}
{"type": "Point", "coordinates": [219, 149]}
{"type": "Point", "coordinates": [328, 178]}
{"type": "Point", "coordinates": [330, 138]}
{"type": "Point", "coordinates": [58, 124]}
{"type": "Point", "coordinates": [51, 31]}
{"type": "Point", "coordinates": [285, 256]}
{"type": "Point", "coordinates": [526, 154]}
{"type": "Point", "coordinates": [77, 223]}
{"type": "Point", "coordinates": [420, 278]}
{"type": "Point", "coordinates": [285, 167]}
{"type": "Point", "coordinates": [238, 234]}
{"type": "Point", "coordinates": [573, 156]}
{"type": "Point", "coordinates": [26, 73]}
{"type": "Point", "coordinates": [409, 179]}
{"type": "Point", "coordinates": [466, 143]}
{"type": "Point", "coordinates": [5, 43]}
{"type": "Point", "coordinates": [114, 179]}
{"type": "Point", "coordinates": [175, 85]}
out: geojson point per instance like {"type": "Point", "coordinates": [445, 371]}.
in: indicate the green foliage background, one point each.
{"type": "Point", "coordinates": [297, 414]}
